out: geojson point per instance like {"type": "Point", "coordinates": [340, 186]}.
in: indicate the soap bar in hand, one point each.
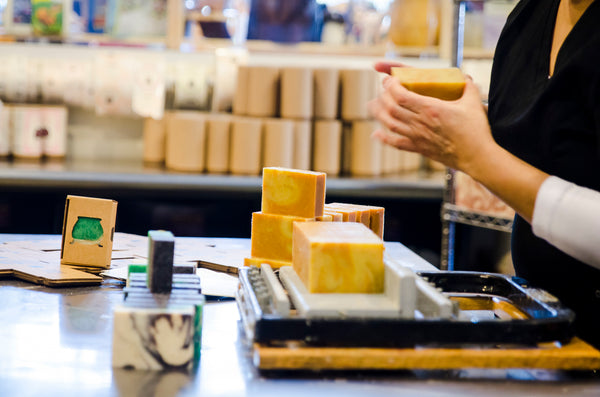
{"type": "Point", "coordinates": [446, 83]}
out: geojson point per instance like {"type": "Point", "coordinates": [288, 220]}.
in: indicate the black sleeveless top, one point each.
{"type": "Point", "coordinates": [553, 123]}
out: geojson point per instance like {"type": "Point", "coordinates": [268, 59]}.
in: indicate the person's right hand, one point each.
{"type": "Point", "coordinates": [455, 133]}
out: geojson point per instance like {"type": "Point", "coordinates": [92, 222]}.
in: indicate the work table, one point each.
{"type": "Point", "coordinates": [58, 342]}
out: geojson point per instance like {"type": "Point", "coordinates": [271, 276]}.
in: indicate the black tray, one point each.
{"type": "Point", "coordinates": [547, 319]}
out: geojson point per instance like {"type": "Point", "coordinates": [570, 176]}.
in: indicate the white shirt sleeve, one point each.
{"type": "Point", "coordinates": [568, 217]}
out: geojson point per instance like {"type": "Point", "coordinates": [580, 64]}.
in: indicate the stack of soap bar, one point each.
{"type": "Point", "coordinates": [159, 329]}
{"type": "Point", "coordinates": [445, 83]}
{"type": "Point", "coordinates": [338, 257]}
{"type": "Point", "coordinates": [161, 248]}
{"type": "Point", "coordinates": [288, 196]}
{"type": "Point", "coordinates": [369, 215]}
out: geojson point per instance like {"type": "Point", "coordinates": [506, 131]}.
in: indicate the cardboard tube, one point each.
{"type": "Point", "coordinates": [217, 143]}
{"type": "Point", "coordinates": [390, 156]}
{"type": "Point", "coordinates": [327, 146]}
{"type": "Point", "coordinates": [302, 144]}
{"type": "Point", "coordinates": [358, 88]}
{"type": "Point", "coordinates": [326, 93]}
{"type": "Point", "coordinates": [365, 152]}
{"type": "Point", "coordinates": [4, 130]}
{"type": "Point", "coordinates": [263, 91]}
{"type": "Point", "coordinates": [240, 96]}
{"type": "Point", "coordinates": [26, 121]}
{"type": "Point", "coordinates": [296, 93]}
{"type": "Point", "coordinates": [55, 122]}
{"type": "Point", "coordinates": [185, 141]}
{"type": "Point", "coordinates": [246, 143]}
{"type": "Point", "coordinates": [278, 143]}
{"type": "Point", "coordinates": [155, 132]}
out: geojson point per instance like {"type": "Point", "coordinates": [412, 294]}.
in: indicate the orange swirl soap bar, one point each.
{"type": "Point", "coordinates": [445, 83]}
{"type": "Point", "coordinates": [293, 192]}
{"type": "Point", "coordinates": [338, 257]}
{"type": "Point", "coordinates": [272, 235]}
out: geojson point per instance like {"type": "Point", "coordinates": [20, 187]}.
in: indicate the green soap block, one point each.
{"type": "Point", "coordinates": [135, 268]}
{"type": "Point", "coordinates": [87, 229]}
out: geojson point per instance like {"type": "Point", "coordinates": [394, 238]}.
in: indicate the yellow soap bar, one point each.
{"type": "Point", "coordinates": [336, 216]}
{"type": "Point", "coordinates": [348, 214]}
{"type": "Point", "coordinates": [338, 257]}
{"type": "Point", "coordinates": [275, 264]}
{"type": "Point", "coordinates": [372, 216]}
{"type": "Point", "coordinates": [363, 214]}
{"type": "Point", "coordinates": [292, 192]}
{"type": "Point", "coordinates": [446, 83]}
{"type": "Point", "coordinates": [324, 218]}
{"type": "Point", "coordinates": [271, 235]}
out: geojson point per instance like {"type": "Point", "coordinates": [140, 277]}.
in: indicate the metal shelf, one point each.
{"type": "Point", "coordinates": [453, 213]}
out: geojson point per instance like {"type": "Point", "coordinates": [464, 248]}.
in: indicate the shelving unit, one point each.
{"type": "Point", "coordinates": [450, 212]}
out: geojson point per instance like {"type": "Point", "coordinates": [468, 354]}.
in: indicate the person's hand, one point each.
{"type": "Point", "coordinates": [386, 67]}
{"type": "Point", "coordinates": [455, 133]}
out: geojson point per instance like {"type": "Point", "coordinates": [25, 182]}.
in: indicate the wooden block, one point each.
{"type": "Point", "coordinates": [446, 83]}
{"type": "Point", "coordinates": [326, 93]}
{"type": "Point", "coordinates": [296, 93]}
{"type": "Point", "coordinates": [293, 192]}
{"type": "Point", "coordinates": [327, 146]}
{"type": "Point", "coordinates": [358, 88]}
{"type": "Point", "coordinates": [263, 92]}
{"type": "Point", "coordinates": [155, 133]}
{"type": "Point", "coordinates": [88, 229]}
{"type": "Point", "coordinates": [218, 136]}
{"type": "Point", "coordinates": [278, 143]}
{"type": "Point", "coordinates": [240, 97]}
{"type": "Point", "coordinates": [334, 257]}
{"type": "Point", "coordinates": [271, 235]}
{"type": "Point", "coordinates": [246, 144]}
{"type": "Point", "coordinates": [576, 355]}
{"type": "Point", "coordinates": [161, 249]}
{"type": "Point", "coordinates": [365, 152]}
{"type": "Point", "coordinates": [186, 141]}
{"type": "Point", "coordinates": [275, 264]}
{"type": "Point", "coordinates": [153, 338]}
{"type": "Point", "coordinates": [302, 145]}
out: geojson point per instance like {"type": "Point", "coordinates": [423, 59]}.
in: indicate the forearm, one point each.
{"type": "Point", "coordinates": [511, 179]}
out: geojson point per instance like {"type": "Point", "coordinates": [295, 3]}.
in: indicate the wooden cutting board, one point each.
{"type": "Point", "coordinates": [577, 355]}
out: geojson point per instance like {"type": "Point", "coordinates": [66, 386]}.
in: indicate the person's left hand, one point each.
{"type": "Point", "coordinates": [454, 133]}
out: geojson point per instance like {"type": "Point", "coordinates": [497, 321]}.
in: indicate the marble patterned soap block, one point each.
{"type": "Point", "coordinates": [153, 338]}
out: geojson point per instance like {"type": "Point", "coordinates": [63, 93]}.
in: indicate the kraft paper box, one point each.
{"type": "Point", "coordinates": [88, 230]}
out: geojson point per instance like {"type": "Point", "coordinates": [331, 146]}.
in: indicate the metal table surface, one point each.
{"type": "Point", "coordinates": [58, 342]}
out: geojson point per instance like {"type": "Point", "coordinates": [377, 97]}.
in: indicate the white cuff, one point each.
{"type": "Point", "coordinates": [547, 201]}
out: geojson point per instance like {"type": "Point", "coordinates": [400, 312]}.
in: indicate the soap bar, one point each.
{"type": "Point", "coordinates": [446, 83]}
{"type": "Point", "coordinates": [334, 257]}
{"type": "Point", "coordinates": [275, 264]}
{"type": "Point", "coordinates": [336, 216]}
{"type": "Point", "coordinates": [348, 214]}
{"type": "Point", "coordinates": [363, 215]}
{"type": "Point", "coordinates": [293, 192]}
{"type": "Point", "coordinates": [370, 215]}
{"type": "Point", "coordinates": [271, 235]}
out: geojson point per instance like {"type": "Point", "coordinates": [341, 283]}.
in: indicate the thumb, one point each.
{"type": "Point", "coordinates": [471, 92]}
